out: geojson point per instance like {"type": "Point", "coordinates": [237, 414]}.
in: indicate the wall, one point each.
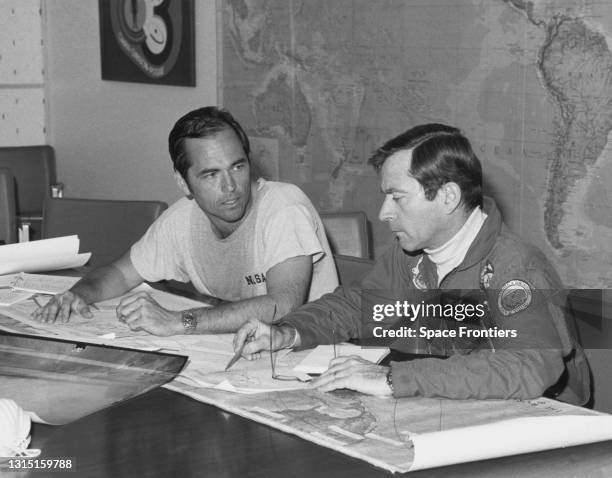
{"type": "Point", "coordinates": [110, 138]}
{"type": "Point", "coordinates": [22, 102]}
{"type": "Point", "coordinates": [324, 83]}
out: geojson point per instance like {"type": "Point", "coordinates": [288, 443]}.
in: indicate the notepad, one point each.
{"type": "Point", "coordinates": [317, 361]}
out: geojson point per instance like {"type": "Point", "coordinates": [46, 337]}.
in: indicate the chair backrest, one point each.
{"type": "Point", "coordinates": [352, 269]}
{"type": "Point", "coordinates": [592, 309]}
{"type": "Point", "coordinates": [8, 228]}
{"type": "Point", "coordinates": [106, 228]}
{"type": "Point", "coordinates": [347, 233]}
{"type": "Point", "coordinates": [34, 170]}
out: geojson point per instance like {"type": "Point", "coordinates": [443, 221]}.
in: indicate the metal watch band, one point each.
{"type": "Point", "coordinates": [390, 380]}
{"type": "Point", "coordinates": [190, 322]}
{"type": "Point", "coordinates": [294, 335]}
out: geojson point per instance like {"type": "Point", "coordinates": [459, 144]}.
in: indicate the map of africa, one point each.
{"type": "Point", "coordinates": [320, 84]}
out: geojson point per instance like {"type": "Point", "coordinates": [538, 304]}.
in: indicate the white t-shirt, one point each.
{"type": "Point", "coordinates": [282, 223]}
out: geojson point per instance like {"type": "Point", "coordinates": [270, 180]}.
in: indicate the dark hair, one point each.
{"type": "Point", "coordinates": [201, 123]}
{"type": "Point", "coordinates": [440, 154]}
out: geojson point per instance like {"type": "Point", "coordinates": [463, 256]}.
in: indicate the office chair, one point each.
{"type": "Point", "coordinates": [33, 168]}
{"type": "Point", "coordinates": [592, 309]}
{"type": "Point", "coordinates": [347, 233]}
{"type": "Point", "coordinates": [8, 228]}
{"type": "Point", "coordinates": [106, 228]}
{"type": "Point", "coordinates": [352, 269]}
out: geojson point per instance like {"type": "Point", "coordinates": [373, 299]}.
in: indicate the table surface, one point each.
{"type": "Point", "coordinates": [162, 433]}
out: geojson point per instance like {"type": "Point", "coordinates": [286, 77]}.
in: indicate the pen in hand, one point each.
{"type": "Point", "coordinates": [334, 342]}
{"type": "Point", "coordinates": [236, 356]}
{"type": "Point", "coordinates": [333, 331]}
{"type": "Point", "coordinates": [238, 353]}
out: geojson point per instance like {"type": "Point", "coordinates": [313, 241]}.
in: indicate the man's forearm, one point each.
{"type": "Point", "coordinates": [485, 374]}
{"type": "Point", "coordinates": [102, 283]}
{"type": "Point", "coordinates": [228, 318]}
{"type": "Point", "coordinates": [335, 317]}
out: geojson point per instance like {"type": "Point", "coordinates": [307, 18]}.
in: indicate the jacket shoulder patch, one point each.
{"type": "Point", "coordinates": [514, 296]}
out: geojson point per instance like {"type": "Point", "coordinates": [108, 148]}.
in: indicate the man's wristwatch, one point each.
{"type": "Point", "coordinates": [190, 322]}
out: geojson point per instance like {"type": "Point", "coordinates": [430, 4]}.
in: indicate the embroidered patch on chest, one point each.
{"type": "Point", "coordinates": [417, 276]}
{"type": "Point", "coordinates": [514, 296]}
{"type": "Point", "coordinates": [486, 274]}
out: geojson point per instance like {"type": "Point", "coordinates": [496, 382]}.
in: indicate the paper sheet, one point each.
{"type": "Point", "coordinates": [209, 354]}
{"type": "Point", "coordinates": [51, 263]}
{"type": "Point", "coordinates": [59, 245]}
{"type": "Point", "coordinates": [206, 368]}
{"type": "Point", "coordinates": [43, 255]}
{"type": "Point", "coordinates": [7, 280]}
{"type": "Point", "coordinates": [103, 327]}
{"type": "Point", "coordinates": [511, 437]}
{"type": "Point", "coordinates": [43, 284]}
{"type": "Point", "coordinates": [11, 296]}
{"type": "Point", "coordinates": [401, 435]}
{"type": "Point", "coordinates": [317, 361]}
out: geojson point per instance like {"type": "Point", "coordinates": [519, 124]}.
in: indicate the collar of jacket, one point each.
{"type": "Point", "coordinates": [480, 247]}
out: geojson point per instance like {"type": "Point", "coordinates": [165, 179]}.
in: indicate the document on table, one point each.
{"type": "Point", "coordinates": [511, 437]}
{"type": "Point", "coordinates": [10, 296]}
{"type": "Point", "coordinates": [43, 255]}
{"type": "Point", "coordinates": [317, 361]}
{"type": "Point", "coordinates": [208, 354]}
{"type": "Point", "coordinates": [104, 327]}
{"type": "Point", "coordinates": [41, 283]}
{"type": "Point", "coordinates": [19, 287]}
{"type": "Point", "coordinates": [413, 433]}
{"type": "Point", "coordinates": [206, 368]}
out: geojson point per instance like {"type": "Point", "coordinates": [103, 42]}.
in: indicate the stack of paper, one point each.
{"type": "Point", "coordinates": [43, 255]}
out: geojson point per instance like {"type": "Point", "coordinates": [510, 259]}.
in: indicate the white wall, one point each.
{"type": "Point", "coordinates": [22, 102]}
{"type": "Point", "coordinates": [110, 138]}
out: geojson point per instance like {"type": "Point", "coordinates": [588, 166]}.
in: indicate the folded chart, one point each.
{"type": "Point", "coordinates": [410, 434]}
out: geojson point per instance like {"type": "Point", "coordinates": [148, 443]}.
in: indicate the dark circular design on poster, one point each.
{"type": "Point", "coordinates": [149, 32]}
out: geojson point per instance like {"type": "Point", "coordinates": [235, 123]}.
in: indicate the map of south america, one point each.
{"type": "Point", "coordinates": [575, 65]}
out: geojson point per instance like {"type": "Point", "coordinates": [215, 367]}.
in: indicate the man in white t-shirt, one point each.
{"type": "Point", "coordinates": [259, 245]}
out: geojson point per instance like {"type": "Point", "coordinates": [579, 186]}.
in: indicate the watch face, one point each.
{"type": "Point", "coordinates": [190, 323]}
{"type": "Point", "coordinates": [148, 41]}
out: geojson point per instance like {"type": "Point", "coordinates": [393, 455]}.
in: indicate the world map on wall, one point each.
{"type": "Point", "coordinates": [320, 84]}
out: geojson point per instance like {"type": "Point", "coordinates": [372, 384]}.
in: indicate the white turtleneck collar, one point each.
{"type": "Point", "coordinates": [450, 254]}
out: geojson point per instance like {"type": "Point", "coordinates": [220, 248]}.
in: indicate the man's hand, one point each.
{"type": "Point", "coordinates": [60, 307]}
{"type": "Point", "coordinates": [255, 336]}
{"type": "Point", "coordinates": [354, 373]}
{"type": "Point", "coordinates": [141, 311]}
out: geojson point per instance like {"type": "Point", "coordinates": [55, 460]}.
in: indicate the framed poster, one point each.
{"type": "Point", "coordinates": [148, 41]}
